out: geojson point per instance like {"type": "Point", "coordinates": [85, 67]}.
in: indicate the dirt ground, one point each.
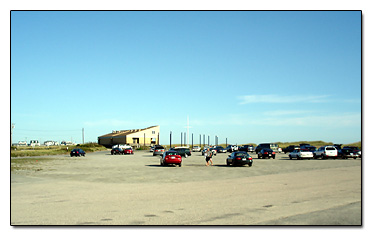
{"type": "Point", "coordinates": [104, 189]}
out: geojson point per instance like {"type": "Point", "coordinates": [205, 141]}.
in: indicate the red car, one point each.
{"type": "Point", "coordinates": [128, 151]}
{"type": "Point", "coordinates": [171, 157]}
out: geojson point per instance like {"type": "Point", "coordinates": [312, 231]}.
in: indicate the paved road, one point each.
{"type": "Point", "coordinates": [104, 189]}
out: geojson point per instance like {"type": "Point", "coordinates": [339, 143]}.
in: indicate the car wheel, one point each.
{"type": "Point", "coordinates": [273, 157]}
{"type": "Point", "coordinates": [258, 156]}
{"type": "Point", "coordinates": [179, 164]}
{"type": "Point", "coordinates": [290, 157]}
{"type": "Point", "coordinates": [323, 156]}
{"type": "Point", "coordinates": [298, 158]}
{"type": "Point", "coordinates": [250, 164]}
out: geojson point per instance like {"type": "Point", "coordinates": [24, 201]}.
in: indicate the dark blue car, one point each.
{"type": "Point", "coordinates": [77, 152]}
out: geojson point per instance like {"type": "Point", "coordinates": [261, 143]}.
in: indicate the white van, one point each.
{"type": "Point", "coordinates": [325, 152]}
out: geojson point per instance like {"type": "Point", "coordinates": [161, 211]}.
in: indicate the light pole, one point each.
{"type": "Point", "coordinates": [11, 134]}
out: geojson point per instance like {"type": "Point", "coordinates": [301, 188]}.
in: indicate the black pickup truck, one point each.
{"type": "Point", "coordinates": [290, 148]}
{"type": "Point", "coordinates": [183, 152]}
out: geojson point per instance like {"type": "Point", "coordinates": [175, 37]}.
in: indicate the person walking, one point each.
{"type": "Point", "coordinates": [208, 157]}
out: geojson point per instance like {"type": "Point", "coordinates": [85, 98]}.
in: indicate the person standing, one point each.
{"type": "Point", "coordinates": [208, 157]}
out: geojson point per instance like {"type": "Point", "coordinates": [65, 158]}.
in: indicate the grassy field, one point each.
{"type": "Point", "coordinates": [53, 150]}
{"type": "Point", "coordinates": [20, 164]}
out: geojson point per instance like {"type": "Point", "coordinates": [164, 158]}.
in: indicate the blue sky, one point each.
{"type": "Point", "coordinates": [249, 76]}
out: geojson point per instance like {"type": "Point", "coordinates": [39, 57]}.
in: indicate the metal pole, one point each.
{"type": "Point", "coordinates": [170, 138]}
{"type": "Point", "coordinates": [200, 145]}
{"type": "Point", "coordinates": [203, 140]}
{"type": "Point", "coordinates": [83, 135]}
{"type": "Point", "coordinates": [144, 140]}
{"type": "Point", "coordinates": [11, 134]}
{"type": "Point", "coordinates": [181, 139]}
{"type": "Point", "coordinates": [185, 143]}
{"type": "Point", "coordinates": [226, 142]}
{"type": "Point", "coordinates": [192, 140]}
{"type": "Point", "coordinates": [208, 140]}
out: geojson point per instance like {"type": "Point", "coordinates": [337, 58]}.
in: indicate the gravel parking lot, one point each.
{"type": "Point", "coordinates": [105, 189]}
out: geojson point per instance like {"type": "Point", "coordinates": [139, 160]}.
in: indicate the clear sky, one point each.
{"type": "Point", "coordinates": [249, 76]}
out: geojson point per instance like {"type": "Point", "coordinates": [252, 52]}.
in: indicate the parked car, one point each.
{"type": "Point", "coordinates": [301, 154]}
{"type": "Point", "coordinates": [158, 150]}
{"type": "Point", "coordinates": [122, 146]}
{"type": "Point", "coordinates": [128, 151]}
{"type": "Point", "coordinates": [290, 149]}
{"type": "Point", "coordinates": [325, 152]}
{"type": "Point", "coordinates": [116, 151]}
{"type": "Point", "coordinates": [196, 149]}
{"type": "Point", "coordinates": [220, 149]}
{"type": "Point", "coordinates": [262, 146]}
{"type": "Point", "coordinates": [310, 148]}
{"type": "Point", "coordinates": [171, 157]}
{"type": "Point", "coordinates": [355, 149]}
{"type": "Point", "coordinates": [231, 148]}
{"type": "Point", "coordinates": [246, 148]}
{"type": "Point", "coordinates": [239, 158]}
{"type": "Point", "coordinates": [266, 153]}
{"type": "Point", "coordinates": [77, 152]}
{"type": "Point", "coordinates": [347, 153]}
{"type": "Point", "coordinates": [182, 151]}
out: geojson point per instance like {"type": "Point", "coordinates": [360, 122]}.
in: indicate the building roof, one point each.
{"type": "Point", "coordinates": [120, 133]}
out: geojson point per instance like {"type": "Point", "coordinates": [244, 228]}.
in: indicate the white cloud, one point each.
{"type": "Point", "coordinates": [247, 99]}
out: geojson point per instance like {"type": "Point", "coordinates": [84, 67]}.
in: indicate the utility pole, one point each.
{"type": "Point", "coordinates": [83, 134]}
{"type": "Point", "coordinates": [11, 134]}
{"type": "Point", "coordinates": [170, 138]}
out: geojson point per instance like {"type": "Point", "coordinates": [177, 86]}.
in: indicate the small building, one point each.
{"type": "Point", "coordinates": [134, 137]}
{"type": "Point", "coordinates": [34, 143]}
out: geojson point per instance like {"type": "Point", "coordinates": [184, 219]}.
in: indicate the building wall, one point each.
{"type": "Point", "coordinates": [150, 134]}
{"type": "Point", "coordinates": [151, 137]}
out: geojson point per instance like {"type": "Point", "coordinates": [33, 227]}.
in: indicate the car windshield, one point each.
{"type": "Point", "coordinates": [329, 148]}
{"type": "Point", "coordinates": [241, 154]}
{"type": "Point", "coordinates": [171, 153]}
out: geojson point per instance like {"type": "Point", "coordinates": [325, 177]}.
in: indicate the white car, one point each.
{"type": "Point", "coordinates": [301, 154]}
{"type": "Point", "coordinates": [325, 152]}
{"type": "Point", "coordinates": [196, 149]}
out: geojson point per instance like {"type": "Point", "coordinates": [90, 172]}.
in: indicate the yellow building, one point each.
{"type": "Point", "coordinates": [134, 137]}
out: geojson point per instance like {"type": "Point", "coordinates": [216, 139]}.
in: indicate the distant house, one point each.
{"type": "Point", "coordinates": [22, 143]}
{"type": "Point", "coordinates": [50, 143]}
{"type": "Point", "coordinates": [67, 143]}
{"type": "Point", "coordinates": [34, 143]}
{"type": "Point", "coordinates": [134, 137]}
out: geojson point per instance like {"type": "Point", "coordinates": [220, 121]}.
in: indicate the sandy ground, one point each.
{"type": "Point", "coordinates": [104, 189]}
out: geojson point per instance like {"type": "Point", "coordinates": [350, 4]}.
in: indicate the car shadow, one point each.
{"type": "Point", "coordinates": [228, 166]}
{"type": "Point", "coordinates": [161, 166]}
